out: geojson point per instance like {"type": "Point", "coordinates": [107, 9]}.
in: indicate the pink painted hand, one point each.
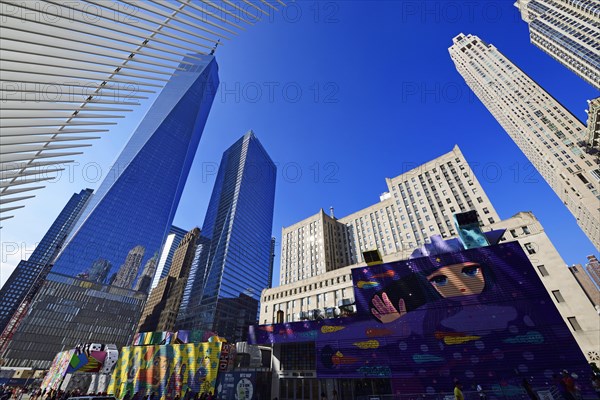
{"type": "Point", "coordinates": [385, 311]}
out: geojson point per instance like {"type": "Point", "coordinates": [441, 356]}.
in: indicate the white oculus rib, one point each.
{"type": "Point", "coordinates": [69, 68]}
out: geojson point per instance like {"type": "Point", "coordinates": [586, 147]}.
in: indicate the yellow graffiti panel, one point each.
{"type": "Point", "coordinates": [167, 371]}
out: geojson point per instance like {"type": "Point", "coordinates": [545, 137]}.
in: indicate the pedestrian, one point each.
{"type": "Point", "coordinates": [569, 383]}
{"type": "Point", "coordinates": [323, 396]}
{"type": "Point", "coordinates": [560, 385]}
{"type": "Point", "coordinates": [334, 395]}
{"type": "Point", "coordinates": [458, 394]}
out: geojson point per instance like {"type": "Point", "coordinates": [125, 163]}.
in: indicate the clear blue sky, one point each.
{"type": "Point", "coordinates": [342, 94]}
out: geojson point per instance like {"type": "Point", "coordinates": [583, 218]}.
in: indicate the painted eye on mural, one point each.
{"type": "Point", "coordinates": [439, 280]}
{"type": "Point", "coordinates": [471, 270]}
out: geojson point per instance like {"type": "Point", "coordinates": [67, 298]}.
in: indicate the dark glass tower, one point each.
{"type": "Point", "coordinates": [28, 274]}
{"type": "Point", "coordinates": [223, 289]}
{"type": "Point", "coordinates": [124, 224]}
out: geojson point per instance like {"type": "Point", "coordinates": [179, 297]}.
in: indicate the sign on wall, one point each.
{"type": "Point", "coordinates": [237, 386]}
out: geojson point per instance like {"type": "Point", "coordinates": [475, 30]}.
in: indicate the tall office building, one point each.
{"type": "Point", "coordinates": [419, 204]}
{"type": "Point", "coordinates": [312, 247]}
{"type": "Point", "coordinates": [593, 270]}
{"type": "Point", "coordinates": [295, 301]}
{"type": "Point", "coordinates": [567, 31]}
{"type": "Point", "coordinates": [224, 286]}
{"type": "Point", "coordinates": [28, 275]}
{"type": "Point", "coordinates": [593, 125]}
{"type": "Point", "coordinates": [551, 137]}
{"type": "Point", "coordinates": [132, 209]}
{"type": "Point", "coordinates": [329, 292]}
{"type": "Point", "coordinates": [163, 303]}
{"type": "Point", "coordinates": [166, 256]}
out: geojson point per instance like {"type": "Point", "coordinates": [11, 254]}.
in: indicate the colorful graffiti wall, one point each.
{"type": "Point", "coordinates": [58, 370]}
{"type": "Point", "coordinates": [167, 370]}
{"type": "Point", "coordinates": [93, 357]}
{"type": "Point", "coordinates": [88, 357]}
{"type": "Point", "coordinates": [481, 316]}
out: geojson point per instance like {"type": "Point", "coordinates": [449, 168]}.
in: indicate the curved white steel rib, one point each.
{"type": "Point", "coordinates": [64, 68]}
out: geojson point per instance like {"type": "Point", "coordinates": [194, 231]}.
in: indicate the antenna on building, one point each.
{"type": "Point", "coordinates": [212, 52]}
{"type": "Point", "coordinates": [331, 212]}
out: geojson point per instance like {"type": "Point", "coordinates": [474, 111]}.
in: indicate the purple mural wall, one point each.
{"type": "Point", "coordinates": [481, 316]}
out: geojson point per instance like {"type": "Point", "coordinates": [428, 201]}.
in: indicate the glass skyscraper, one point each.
{"type": "Point", "coordinates": [224, 285]}
{"type": "Point", "coordinates": [28, 274]}
{"type": "Point", "coordinates": [124, 224]}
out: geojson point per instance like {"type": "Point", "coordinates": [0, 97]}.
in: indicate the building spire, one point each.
{"type": "Point", "coordinates": [212, 52]}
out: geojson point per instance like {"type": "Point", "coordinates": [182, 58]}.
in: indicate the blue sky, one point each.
{"type": "Point", "coordinates": [342, 95]}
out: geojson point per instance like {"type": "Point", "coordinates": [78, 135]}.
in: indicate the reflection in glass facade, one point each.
{"type": "Point", "coordinates": [145, 279]}
{"type": "Point", "coordinates": [23, 279]}
{"type": "Point", "coordinates": [160, 311]}
{"type": "Point", "coordinates": [124, 224]}
{"type": "Point", "coordinates": [168, 250]}
{"type": "Point", "coordinates": [129, 270]}
{"type": "Point", "coordinates": [224, 286]}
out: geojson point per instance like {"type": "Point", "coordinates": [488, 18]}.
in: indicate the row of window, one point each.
{"type": "Point", "coordinates": [559, 298]}
{"type": "Point", "coordinates": [309, 287]}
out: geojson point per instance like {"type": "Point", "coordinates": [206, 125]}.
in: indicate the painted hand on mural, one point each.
{"type": "Point", "coordinates": [384, 310]}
